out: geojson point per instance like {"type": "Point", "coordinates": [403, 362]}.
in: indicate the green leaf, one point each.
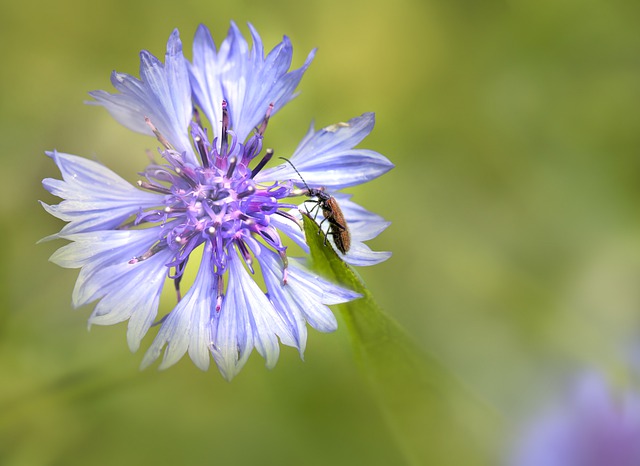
{"type": "Point", "coordinates": [433, 417]}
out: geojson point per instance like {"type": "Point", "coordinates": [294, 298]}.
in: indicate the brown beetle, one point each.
{"type": "Point", "coordinates": [332, 212]}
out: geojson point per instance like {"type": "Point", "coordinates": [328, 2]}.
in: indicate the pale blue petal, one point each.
{"type": "Point", "coordinates": [244, 77]}
{"type": "Point", "coordinates": [281, 298]}
{"type": "Point", "coordinates": [290, 228]}
{"type": "Point", "coordinates": [336, 137]}
{"type": "Point", "coordinates": [163, 94]}
{"type": "Point", "coordinates": [108, 246]}
{"type": "Point", "coordinates": [134, 294]}
{"type": "Point", "coordinates": [361, 255]}
{"type": "Point", "coordinates": [188, 326]}
{"type": "Point", "coordinates": [311, 292]}
{"type": "Point", "coordinates": [95, 198]}
{"type": "Point", "coordinates": [236, 77]}
{"type": "Point", "coordinates": [246, 319]}
{"type": "Point", "coordinates": [265, 323]}
{"type": "Point", "coordinates": [231, 331]}
{"type": "Point", "coordinates": [338, 170]}
{"type": "Point", "coordinates": [126, 291]}
{"type": "Point", "coordinates": [80, 217]}
{"type": "Point", "coordinates": [318, 315]}
{"type": "Point", "coordinates": [303, 297]}
{"type": "Point", "coordinates": [205, 76]}
{"type": "Point", "coordinates": [269, 83]}
{"type": "Point", "coordinates": [104, 262]}
{"type": "Point", "coordinates": [314, 285]}
{"type": "Point", "coordinates": [231, 347]}
{"type": "Point", "coordinates": [327, 158]}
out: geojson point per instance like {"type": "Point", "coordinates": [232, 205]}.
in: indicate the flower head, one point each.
{"type": "Point", "coordinates": [210, 195]}
{"type": "Point", "coordinates": [592, 428]}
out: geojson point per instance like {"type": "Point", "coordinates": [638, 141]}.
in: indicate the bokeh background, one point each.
{"type": "Point", "coordinates": [515, 131]}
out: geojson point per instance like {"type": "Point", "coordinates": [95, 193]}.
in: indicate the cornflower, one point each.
{"type": "Point", "coordinates": [211, 196]}
{"type": "Point", "coordinates": [593, 426]}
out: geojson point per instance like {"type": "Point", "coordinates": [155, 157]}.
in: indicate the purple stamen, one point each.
{"type": "Point", "coordinates": [200, 139]}
{"type": "Point", "coordinates": [249, 191]}
{"type": "Point", "coordinates": [232, 166]}
{"type": "Point", "coordinates": [220, 293]}
{"type": "Point", "coordinates": [267, 156]}
{"type": "Point", "coordinates": [158, 135]}
{"type": "Point", "coordinates": [176, 283]}
{"type": "Point", "coordinates": [225, 128]}
{"type": "Point", "coordinates": [152, 250]}
{"type": "Point", "coordinates": [265, 120]}
{"type": "Point", "coordinates": [288, 216]}
{"type": "Point", "coordinates": [217, 202]}
{"type": "Point", "coordinates": [246, 255]}
{"type": "Point", "coordinates": [153, 187]}
{"type": "Point", "coordinates": [254, 146]}
{"type": "Point", "coordinates": [285, 268]}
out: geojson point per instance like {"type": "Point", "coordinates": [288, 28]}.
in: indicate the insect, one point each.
{"type": "Point", "coordinates": [332, 212]}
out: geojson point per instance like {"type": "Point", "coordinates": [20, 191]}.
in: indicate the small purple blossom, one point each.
{"type": "Point", "coordinates": [209, 196]}
{"type": "Point", "coordinates": [593, 427]}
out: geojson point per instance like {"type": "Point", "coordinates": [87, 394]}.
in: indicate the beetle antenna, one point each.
{"type": "Point", "coordinates": [294, 167]}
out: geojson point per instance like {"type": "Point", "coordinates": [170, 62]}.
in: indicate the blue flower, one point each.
{"type": "Point", "coordinates": [592, 427]}
{"type": "Point", "coordinates": [210, 196]}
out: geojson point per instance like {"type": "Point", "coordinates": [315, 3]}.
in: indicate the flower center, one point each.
{"type": "Point", "coordinates": [217, 202]}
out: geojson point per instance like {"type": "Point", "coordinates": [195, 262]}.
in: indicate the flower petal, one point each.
{"type": "Point", "coordinates": [327, 158]}
{"type": "Point", "coordinates": [95, 198]}
{"type": "Point", "coordinates": [163, 94]}
{"type": "Point", "coordinates": [134, 294]}
{"type": "Point", "coordinates": [246, 319]}
{"type": "Point", "coordinates": [127, 291]}
{"type": "Point", "coordinates": [188, 326]}
{"type": "Point", "coordinates": [361, 255]}
{"type": "Point", "coordinates": [104, 257]}
{"type": "Point", "coordinates": [108, 246]}
{"type": "Point", "coordinates": [303, 298]}
{"type": "Point", "coordinates": [205, 72]}
{"type": "Point", "coordinates": [290, 228]}
{"type": "Point", "coordinates": [314, 285]}
{"type": "Point", "coordinates": [247, 80]}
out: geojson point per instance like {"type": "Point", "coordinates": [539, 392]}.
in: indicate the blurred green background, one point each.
{"type": "Point", "coordinates": [515, 132]}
